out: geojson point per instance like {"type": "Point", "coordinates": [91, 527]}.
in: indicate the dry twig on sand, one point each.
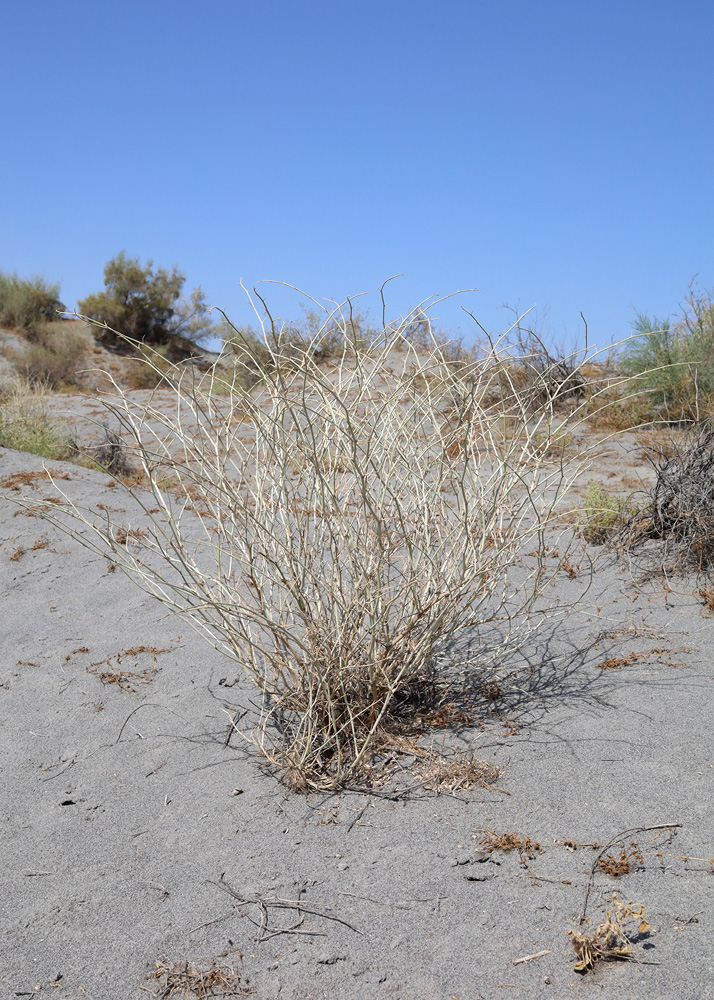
{"type": "Point", "coordinates": [267, 903]}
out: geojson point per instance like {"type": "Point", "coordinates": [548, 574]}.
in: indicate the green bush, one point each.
{"type": "Point", "coordinates": [147, 305]}
{"type": "Point", "coordinates": [27, 303]}
{"type": "Point", "coordinates": [55, 357]}
{"type": "Point", "coordinates": [675, 363]}
{"type": "Point", "coordinates": [605, 512]}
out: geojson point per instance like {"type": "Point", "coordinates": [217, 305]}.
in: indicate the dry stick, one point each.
{"type": "Point", "coordinates": [145, 704]}
{"type": "Point", "coordinates": [531, 958]}
{"type": "Point", "coordinates": [231, 727]}
{"type": "Point", "coordinates": [357, 818]}
{"type": "Point", "coordinates": [610, 843]}
{"type": "Point", "coordinates": [210, 923]}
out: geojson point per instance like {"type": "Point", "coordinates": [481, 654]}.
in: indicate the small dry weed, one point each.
{"type": "Point", "coordinates": [186, 979]}
{"type": "Point", "coordinates": [42, 542]}
{"type": "Point", "coordinates": [707, 595]}
{"type": "Point", "coordinates": [615, 662]}
{"type": "Point", "coordinates": [623, 864]}
{"type": "Point", "coordinates": [122, 535]}
{"type": "Point", "coordinates": [19, 479]}
{"type": "Point", "coordinates": [526, 847]}
{"type": "Point", "coordinates": [610, 939]}
{"type": "Point", "coordinates": [115, 674]}
{"type": "Point", "coordinates": [567, 567]}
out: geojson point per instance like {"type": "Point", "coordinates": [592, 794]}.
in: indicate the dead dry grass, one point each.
{"type": "Point", "coordinates": [455, 774]}
{"type": "Point", "coordinates": [19, 480]}
{"type": "Point", "coordinates": [527, 848]}
{"type": "Point", "coordinates": [110, 670]}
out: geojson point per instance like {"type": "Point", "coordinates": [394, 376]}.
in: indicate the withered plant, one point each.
{"type": "Point", "coordinates": [526, 847]}
{"type": "Point", "coordinates": [186, 979]}
{"type": "Point", "coordinates": [335, 528]}
{"type": "Point", "coordinates": [611, 939]}
{"type": "Point", "coordinates": [682, 500]}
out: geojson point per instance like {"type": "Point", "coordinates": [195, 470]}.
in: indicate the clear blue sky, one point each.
{"type": "Point", "coordinates": [558, 152]}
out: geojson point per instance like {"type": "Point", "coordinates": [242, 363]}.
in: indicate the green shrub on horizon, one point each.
{"type": "Point", "coordinates": [27, 303]}
{"type": "Point", "coordinates": [675, 363]}
{"type": "Point", "coordinates": [147, 305]}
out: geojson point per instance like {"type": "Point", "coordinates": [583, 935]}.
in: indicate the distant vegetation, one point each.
{"type": "Point", "coordinates": [55, 358]}
{"type": "Point", "coordinates": [53, 354]}
{"type": "Point", "coordinates": [26, 304]}
{"type": "Point", "coordinates": [147, 305]}
{"type": "Point", "coordinates": [675, 362]}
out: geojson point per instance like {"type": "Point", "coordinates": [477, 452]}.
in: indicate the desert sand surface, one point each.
{"type": "Point", "coordinates": [130, 806]}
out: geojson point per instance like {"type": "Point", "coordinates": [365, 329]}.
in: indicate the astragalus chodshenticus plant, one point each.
{"type": "Point", "coordinates": [336, 527]}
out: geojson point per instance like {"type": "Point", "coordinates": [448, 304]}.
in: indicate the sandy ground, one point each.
{"type": "Point", "coordinates": [117, 827]}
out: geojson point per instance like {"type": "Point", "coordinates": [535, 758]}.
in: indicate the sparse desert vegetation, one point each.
{"type": "Point", "coordinates": [364, 496]}
{"type": "Point", "coordinates": [372, 524]}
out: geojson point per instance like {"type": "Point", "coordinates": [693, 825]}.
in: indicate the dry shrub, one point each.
{"type": "Point", "coordinates": [611, 938]}
{"type": "Point", "coordinates": [336, 550]}
{"type": "Point", "coordinates": [656, 445]}
{"type": "Point", "coordinates": [679, 508]}
{"type": "Point", "coordinates": [56, 356]}
{"type": "Point", "coordinates": [620, 406]}
{"type": "Point", "coordinates": [108, 453]}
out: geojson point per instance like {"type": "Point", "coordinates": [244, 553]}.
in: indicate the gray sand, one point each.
{"type": "Point", "coordinates": [116, 829]}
